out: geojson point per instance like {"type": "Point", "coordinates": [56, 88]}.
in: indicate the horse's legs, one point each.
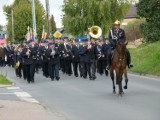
{"type": "Point", "coordinates": [120, 86]}
{"type": "Point", "coordinates": [126, 79]}
{"type": "Point", "coordinates": [112, 77]}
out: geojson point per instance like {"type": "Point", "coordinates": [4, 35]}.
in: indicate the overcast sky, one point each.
{"type": "Point", "coordinates": [55, 9]}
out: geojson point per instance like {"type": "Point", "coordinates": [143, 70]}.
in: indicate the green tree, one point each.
{"type": "Point", "coordinates": [53, 24]}
{"type": "Point", "coordinates": [149, 9]}
{"type": "Point", "coordinates": [81, 14]}
{"type": "Point", "coordinates": [23, 18]}
{"type": "Point", "coordinates": [1, 27]}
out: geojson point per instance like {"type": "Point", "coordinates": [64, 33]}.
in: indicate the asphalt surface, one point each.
{"type": "Point", "coordinates": [74, 98]}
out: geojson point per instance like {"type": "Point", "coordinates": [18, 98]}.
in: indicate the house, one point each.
{"type": "Point", "coordinates": [130, 16]}
{"type": "Point", "coordinates": [3, 37]}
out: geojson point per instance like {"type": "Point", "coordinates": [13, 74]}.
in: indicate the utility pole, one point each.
{"type": "Point", "coordinates": [48, 16]}
{"type": "Point", "coordinates": [34, 20]}
{"type": "Point", "coordinates": [12, 26]}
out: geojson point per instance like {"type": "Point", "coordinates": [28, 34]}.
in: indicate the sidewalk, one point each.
{"type": "Point", "coordinates": [16, 110]}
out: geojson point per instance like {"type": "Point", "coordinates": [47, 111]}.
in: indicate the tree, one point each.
{"type": "Point", "coordinates": [53, 24]}
{"type": "Point", "coordinates": [149, 9]}
{"type": "Point", "coordinates": [1, 27]}
{"type": "Point", "coordinates": [81, 14]}
{"type": "Point", "coordinates": [23, 18]}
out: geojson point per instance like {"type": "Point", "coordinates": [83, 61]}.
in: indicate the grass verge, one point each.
{"type": "Point", "coordinates": [4, 80]}
{"type": "Point", "coordinates": [146, 58]}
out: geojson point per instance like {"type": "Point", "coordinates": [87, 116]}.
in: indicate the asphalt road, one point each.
{"type": "Point", "coordinates": [74, 98]}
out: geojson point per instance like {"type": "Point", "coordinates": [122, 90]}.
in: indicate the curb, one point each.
{"type": "Point", "coordinates": [144, 75]}
{"type": "Point", "coordinates": [4, 86]}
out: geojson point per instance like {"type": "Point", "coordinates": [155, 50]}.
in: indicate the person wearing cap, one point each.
{"type": "Point", "coordinates": [44, 59]}
{"type": "Point", "coordinates": [83, 57]}
{"type": "Point", "coordinates": [18, 58]}
{"type": "Point", "coordinates": [52, 54]}
{"type": "Point", "coordinates": [28, 63]}
{"type": "Point", "coordinates": [34, 50]}
{"type": "Point", "coordinates": [75, 53]}
{"type": "Point", "coordinates": [105, 49]}
{"type": "Point", "coordinates": [9, 50]}
{"type": "Point", "coordinates": [115, 34]}
{"type": "Point", "coordinates": [100, 56]}
{"type": "Point", "coordinates": [68, 57]}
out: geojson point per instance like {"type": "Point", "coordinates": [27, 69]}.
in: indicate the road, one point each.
{"type": "Point", "coordinates": [74, 98]}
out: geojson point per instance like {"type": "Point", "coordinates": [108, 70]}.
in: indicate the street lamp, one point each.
{"type": "Point", "coordinates": [12, 23]}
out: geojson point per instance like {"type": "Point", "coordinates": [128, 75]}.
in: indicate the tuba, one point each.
{"type": "Point", "coordinates": [95, 31]}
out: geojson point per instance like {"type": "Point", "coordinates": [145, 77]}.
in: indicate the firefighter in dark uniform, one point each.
{"type": "Point", "coordinates": [105, 49]}
{"type": "Point", "coordinates": [91, 59]}
{"type": "Point", "coordinates": [45, 59]}
{"type": "Point", "coordinates": [23, 65]}
{"type": "Point", "coordinates": [33, 49]}
{"type": "Point", "coordinates": [52, 54]}
{"type": "Point", "coordinates": [18, 58]}
{"type": "Point", "coordinates": [83, 57]}
{"type": "Point", "coordinates": [67, 55]}
{"type": "Point", "coordinates": [117, 34]}
{"type": "Point", "coordinates": [58, 46]}
{"type": "Point", "coordinates": [75, 53]}
{"type": "Point", "coordinates": [100, 57]}
{"type": "Point", "coordinates": [28, 63]}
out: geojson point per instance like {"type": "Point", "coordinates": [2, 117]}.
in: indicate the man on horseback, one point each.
{"type": "Point", "coordinates": [115, 34]}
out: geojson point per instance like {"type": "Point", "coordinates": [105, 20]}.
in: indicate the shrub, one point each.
{"type": "Point", "coordinates": [133, 30]}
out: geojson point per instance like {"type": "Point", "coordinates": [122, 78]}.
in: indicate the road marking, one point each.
{"type": "Point", "coordinates": [13, 88]}
{"type": "Point", "coordinates": [6, 93]}
{"type": "Point", "coordinates": [22, 94]}
{"type": "Point", "coordinates": [25, 97]}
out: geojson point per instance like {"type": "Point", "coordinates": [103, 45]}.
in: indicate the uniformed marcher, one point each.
{"type": "Point", "coordinates": [115, 34]}
{"type": "Point", "coordinates": [92, 58]}
{"type": "Point", "coordinates": [75, 60]}
{"type": "Point", "coordinates": [44, 58]}
{"type": "Point", "coordinates": [52, 54]}
{"type": "Point", "coordinates": [83, 57]}
{"type": "Point", "coordinates": [34, 52]}
{"type": "Point", "coordinates": [67, 55]}
{"type": "Point", "coordinates": [28, 63]}
{"type": "Point", "coordinates": [100, 56]}
{"type": "Point", "coordinates": [105, 48]}
{"type": "Point", "coordinates": [18, 60]}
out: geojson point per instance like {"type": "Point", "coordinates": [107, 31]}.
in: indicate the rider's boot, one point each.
{"type": "Point", "coordinates": [128, 59]}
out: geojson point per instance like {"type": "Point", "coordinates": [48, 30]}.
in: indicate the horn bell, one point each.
{"type": "Point", "coordinates": [95, 31]}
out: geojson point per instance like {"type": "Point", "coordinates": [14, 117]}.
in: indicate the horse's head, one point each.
{"type": "Point", "coordinates": [121, 46]}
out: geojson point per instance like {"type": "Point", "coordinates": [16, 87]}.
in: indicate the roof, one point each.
{"type": "Point", "coordinates": [132, 13]}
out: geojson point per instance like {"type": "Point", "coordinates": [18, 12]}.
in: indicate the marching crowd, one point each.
{"type": "Point", "coordinates": [83, 58]}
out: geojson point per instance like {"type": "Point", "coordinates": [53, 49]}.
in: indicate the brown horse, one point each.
{"type": "Point", "coordinates": [119, 64]}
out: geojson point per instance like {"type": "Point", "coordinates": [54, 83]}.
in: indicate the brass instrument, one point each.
{"type": "Point", "coordinates": [16, 66]}
{"type": "Point", "coordinates": [95, 31]}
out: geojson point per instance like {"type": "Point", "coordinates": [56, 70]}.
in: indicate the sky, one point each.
{"type": "Point", "coordinates": [55, 9]}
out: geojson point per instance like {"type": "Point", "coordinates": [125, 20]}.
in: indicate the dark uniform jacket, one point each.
{"type": "Point", "coordinates": [17, 57]}
{"type": "Point", "coordinates": [105, 49]}
{"type": "Point", "coordinates": [27, 58]}
{"type": "Point", "coordinates": [115, 35]}
{"type": "Point", "coordinates": [53, 59]}
{"type": "Point", "coordinates": [75, 53]}
{"type": "Point", "coordinates": [66, 52]}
